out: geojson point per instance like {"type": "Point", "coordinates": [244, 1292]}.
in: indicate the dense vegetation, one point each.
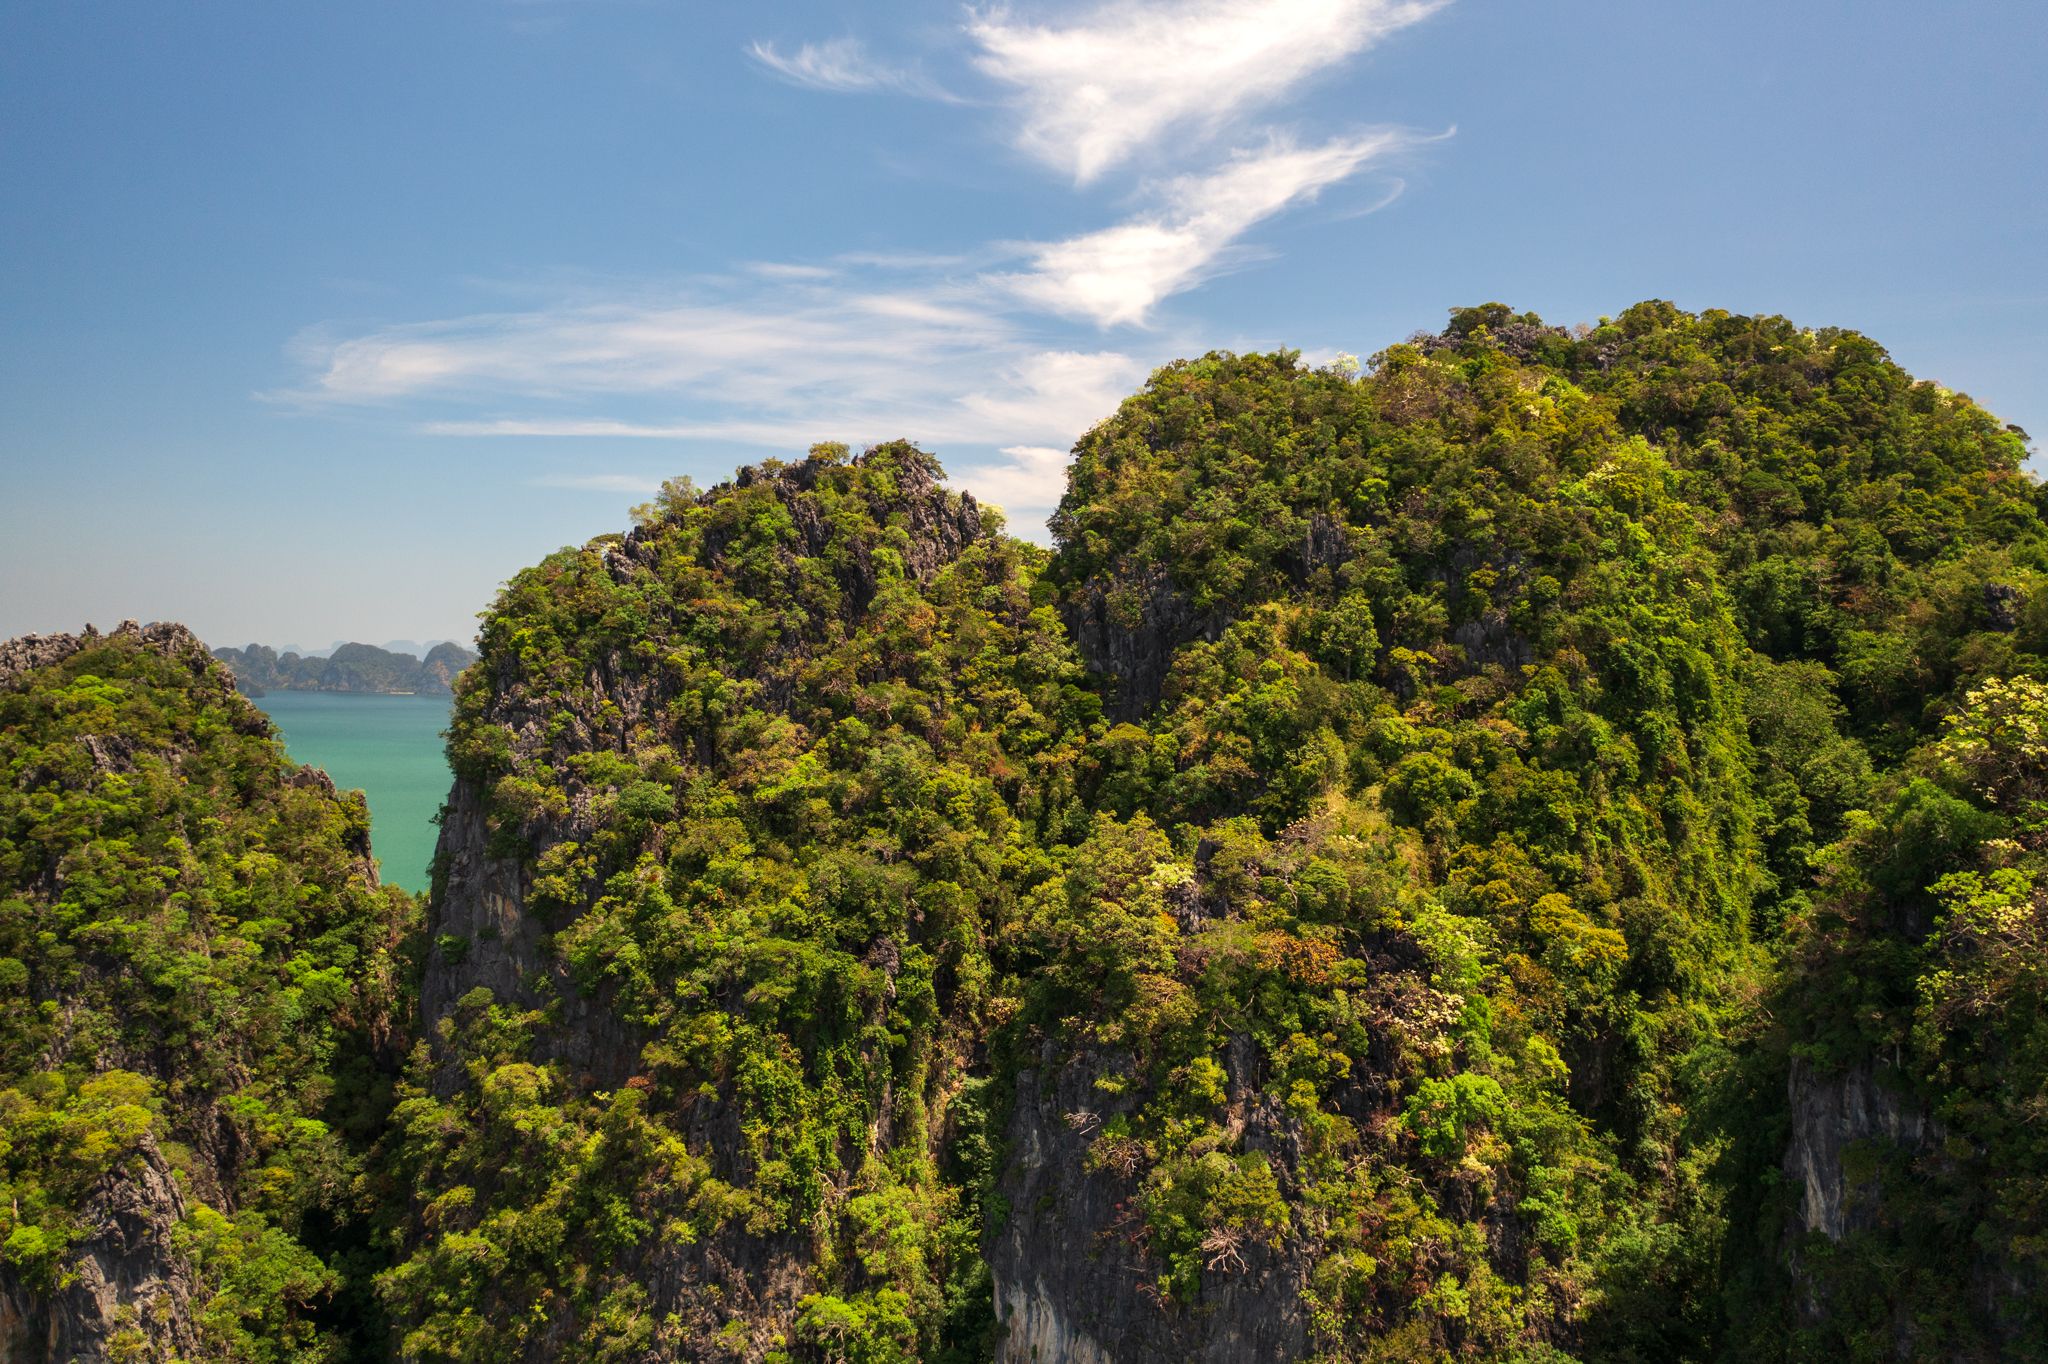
{"type": "Point", "coordinates": [1453, 719]}
{"type": "Point", "coordinates": [1531, 851]}
{"type": "Point", "coordinates": [1619, 631]}
{"type": "Point", "coordinates": [777, 760]}
{"type": "Point", "coordinates": [1485, 740]}
{"type": "Point", "coordinates": [259, 669]}
{"type": "Point", "coordinates": [197, 969]}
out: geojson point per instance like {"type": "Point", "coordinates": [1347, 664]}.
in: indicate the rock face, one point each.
{"type": "Point", "coordinates": [23, 655]}
{"type": "Point", "coordinates": [1072, 1280]}
{"type": "Point", "coordinates": [1830, 1113]}
{"type": "Point", "coordinates": [1848, 1126]}
{"type": "Point", "coordinates": [1834, 1117]}
{"type": "Point", "coordinates": [131, 1291]}
{"type": "Point", "coordinates": [1129, 633]}
{"type": "Point", "coordinates": [482, 904]}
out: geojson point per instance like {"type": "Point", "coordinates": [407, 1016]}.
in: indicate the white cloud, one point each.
{"type": "Point", "coordinates": [1094, 93]}
{"type": "Point", "coordinates": [903, 260]}
{"type": "Point", "coordinates": [1118, 274]}
{"type": "Point", "coordinates": [981, 397]}
{"type": "Point", "coordinates": [775, 344]}
{"type": "Point", "coordinates": [778, 363]}
{"type": "Point", "coordinates": [954, 349]}
{"type": "Point", "coordinates": [1055, 394]}
{"type": "Point", "coordinates": [845, 66]}
{"type": "Point", "coordinates": [1030, 478]}
{"type": "Point", "coordinates": [775, 269]}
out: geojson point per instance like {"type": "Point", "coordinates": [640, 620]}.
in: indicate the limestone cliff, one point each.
{"type": "Point", "coordinates": [664, 864]}
{"type": "Point", "coordinates": [198, 967]}
{"type": "Point", "coordinates": [1073, 1279]}
{"type": "Point", "coordinates": [1832, 1113]}
{"type": "Point", "coordinates": [1359, 897]}
{"type": "Point", "coordinates": [129, 1288]}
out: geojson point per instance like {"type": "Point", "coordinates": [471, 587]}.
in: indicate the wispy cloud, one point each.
{"type": "Point", "coordinates": [845, 66]}
{"type": "Point", "coordinates": [773, 343]}
{"type": "Point", "coordinates": [978, 347]}
{"type": "Point", "coordinates": [777, 363]}
{"type": "Point", "coordinates": [775, 269]}
{"type": "Point", "coordinates": [1091, 94]}
{"type": "Point", "coordinates": [856, 343]}
{"type": "Point", "coordinates": [780, 355]}
{"type": "Point", "coordinates": [1054, 395]}
{"type": "Point", "coordinates": [1028, 479]}
{"type": "Point", "coordinates": [1118, 274]}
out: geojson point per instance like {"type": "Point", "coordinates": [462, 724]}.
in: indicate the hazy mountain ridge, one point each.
{"type": "Point", "coordinates": [348, 668]}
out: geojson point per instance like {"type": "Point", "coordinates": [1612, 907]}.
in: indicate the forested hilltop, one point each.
{"type": "Point", "coordinates": [201, 983]}
{"type": "Point", "coordinates": [1528, 852]}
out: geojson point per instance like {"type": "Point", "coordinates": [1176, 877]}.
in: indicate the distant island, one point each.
{"type": "Point", "coordinates": [259, 669]}
{"type": "Point", "coordinates": [396, 646]}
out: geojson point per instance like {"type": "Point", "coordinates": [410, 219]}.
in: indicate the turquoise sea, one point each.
{"type": "Point", "coordinates": [389, 747]}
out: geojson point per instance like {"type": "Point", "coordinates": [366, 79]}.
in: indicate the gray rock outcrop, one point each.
{"type": "Point", "coordinates": [1073, 1281]}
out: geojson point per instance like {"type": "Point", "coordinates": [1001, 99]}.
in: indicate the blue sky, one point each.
{"type": "Point", "coordinates": [320, 320]}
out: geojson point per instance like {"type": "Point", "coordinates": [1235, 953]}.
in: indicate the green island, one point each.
{"type": "Point", "coordinates": [1532, 849]}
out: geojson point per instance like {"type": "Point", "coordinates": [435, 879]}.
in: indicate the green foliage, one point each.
{"type": "Point", "coordinates": [1927, 953]}
{"type": "Point", "coordinates": [57, 1142]}
{"type": "Point", "coordinates": [1474, 739]}
{"type": "Point", "coordinates": [774, 838]}
{"type": "Point", "coordinates": [1440, 810]}
{"type": "Point", "coordinates": [195, 958]}
{"type": "Point", "coordinates": [1653, 609]}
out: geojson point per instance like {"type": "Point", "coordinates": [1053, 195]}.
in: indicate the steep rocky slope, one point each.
{"type": "Point", "coordinates": [1431, 679]}
{"type": "Point", "coordinates": [742, 799]}
{"type": "Point", "coordinates": [197, 967]}
{"type": "Point", "coordinates": [1532, 852]}
{"type": "Point", "coordinates": [1350, 944]}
